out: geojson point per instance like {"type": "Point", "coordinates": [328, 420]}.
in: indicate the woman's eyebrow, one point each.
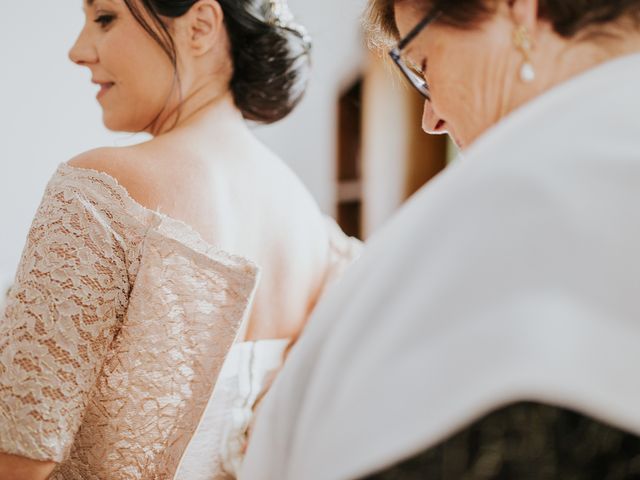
{"type": "Point", "coordinates": [90, 3]}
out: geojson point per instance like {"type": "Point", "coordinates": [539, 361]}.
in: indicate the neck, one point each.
{"type": "Point", "coordinates": [208, 103]}
{"type": "Point", "coordinates": [557, 60]}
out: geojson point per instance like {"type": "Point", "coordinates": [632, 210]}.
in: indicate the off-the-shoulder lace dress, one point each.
{"type": "Point", "coordinates": [115, 333]}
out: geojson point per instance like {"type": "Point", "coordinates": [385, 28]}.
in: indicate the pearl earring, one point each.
{"type": "Point", "coordinates": [523, 43]}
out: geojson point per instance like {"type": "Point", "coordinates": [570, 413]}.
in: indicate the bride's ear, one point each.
{"type": "Point", "coordinates": [204, 25]}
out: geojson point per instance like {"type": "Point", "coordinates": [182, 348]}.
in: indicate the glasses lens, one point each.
{"type": "Point", "coordinates": [413, 67]}
{"type": "Point", "coordinates": [412, 73]}
{"type": "Point", "coordinates": [415, 76]}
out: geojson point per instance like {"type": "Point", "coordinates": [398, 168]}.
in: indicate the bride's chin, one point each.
{"type": "Point", "coordinates": [110, 121]}
{"type": "Point", "coordinates": [120, 123]}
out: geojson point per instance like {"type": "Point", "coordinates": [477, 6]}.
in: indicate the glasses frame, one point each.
{"type": "Point", "coordinates": [418, 82]}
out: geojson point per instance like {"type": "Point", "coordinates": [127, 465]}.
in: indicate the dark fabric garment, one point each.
{"type": "Point", "coordinates": [527, 441]}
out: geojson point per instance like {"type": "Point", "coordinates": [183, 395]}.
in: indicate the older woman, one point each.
{"type": "Point", "coordinates": [493, 325]}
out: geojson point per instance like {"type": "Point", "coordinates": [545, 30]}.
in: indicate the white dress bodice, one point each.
{"type": "Point", "coordinates": [217, 448]}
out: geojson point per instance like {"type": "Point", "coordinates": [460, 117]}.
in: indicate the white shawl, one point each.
{"type": "Point", "coordinates": [515, 275]}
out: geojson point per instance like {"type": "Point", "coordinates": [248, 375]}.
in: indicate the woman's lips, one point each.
{"type": "Point", "coordinates": [104, 88]}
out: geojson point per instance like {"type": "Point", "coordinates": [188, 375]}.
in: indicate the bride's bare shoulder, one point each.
{"type": "Point", "coordinates": [127, 165]}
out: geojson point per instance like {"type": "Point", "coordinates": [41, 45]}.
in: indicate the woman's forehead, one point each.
{"type": "Point", "coordinates": [92, 3]}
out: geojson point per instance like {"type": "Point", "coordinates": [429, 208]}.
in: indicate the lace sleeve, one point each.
{"type": "Point", "coordinates": [61, 315]}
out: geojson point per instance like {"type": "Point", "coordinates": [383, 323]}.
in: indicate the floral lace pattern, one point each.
{"type": "Point", "coordinates": [217, 450]}
{"type": "Point", "coordinates": [114, 333]}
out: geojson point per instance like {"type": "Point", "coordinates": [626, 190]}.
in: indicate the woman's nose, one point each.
{"type": "Point", "coordinates": [431, 123]}
{"type": "Point", "coordinates": [83, 52]}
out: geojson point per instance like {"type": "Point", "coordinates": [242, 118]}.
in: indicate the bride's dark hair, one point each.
{"type": "Point", "coordinates": [270, 53]}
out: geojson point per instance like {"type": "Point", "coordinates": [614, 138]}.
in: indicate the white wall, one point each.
{"type": "Point", "coordinates": [386, 102]}
{"type": "Point", "coordinates": [48, 111]}
{"type": "Point", "coordinates": [307, 139]}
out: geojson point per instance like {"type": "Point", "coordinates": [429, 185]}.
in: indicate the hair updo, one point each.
{"type": "Point", "coordinates": [568, 17]}
{"type": "Point", "coordinates": [270, 53]}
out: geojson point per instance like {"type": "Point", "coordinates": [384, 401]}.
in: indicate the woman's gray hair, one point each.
{"type": "Point", "coordinates": [380, 23]}
{"type": "Point", "coordinates": [568, 17]}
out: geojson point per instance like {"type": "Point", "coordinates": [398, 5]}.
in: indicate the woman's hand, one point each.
{"type": "Point", "coordinates": [13, 467]}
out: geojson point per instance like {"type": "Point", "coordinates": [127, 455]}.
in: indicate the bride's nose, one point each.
{"type": "Point", "coordinates": [83, 51]}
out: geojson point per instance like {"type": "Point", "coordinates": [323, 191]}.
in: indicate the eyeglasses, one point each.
{"type": "Point", "coordinates": [412, 72]}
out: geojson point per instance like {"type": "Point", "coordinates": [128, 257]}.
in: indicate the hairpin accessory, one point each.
{"type": "Point", "coordinates": [281, 16]}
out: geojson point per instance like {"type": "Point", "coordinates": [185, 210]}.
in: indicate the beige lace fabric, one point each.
{"type": "Point", "coordinates": [218, 447]}
{"type": "Point", "coordinates": [114, 333]}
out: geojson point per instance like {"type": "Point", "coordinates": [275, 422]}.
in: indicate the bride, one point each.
{"type": "Point", "coordinates": [139, 278]}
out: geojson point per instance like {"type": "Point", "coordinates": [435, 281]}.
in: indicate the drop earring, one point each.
{"type": "Point", "coordinates": [523, 43]}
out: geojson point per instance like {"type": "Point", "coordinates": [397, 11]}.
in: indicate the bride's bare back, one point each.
{"type": "Point", "coordinates": [241, 198]}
